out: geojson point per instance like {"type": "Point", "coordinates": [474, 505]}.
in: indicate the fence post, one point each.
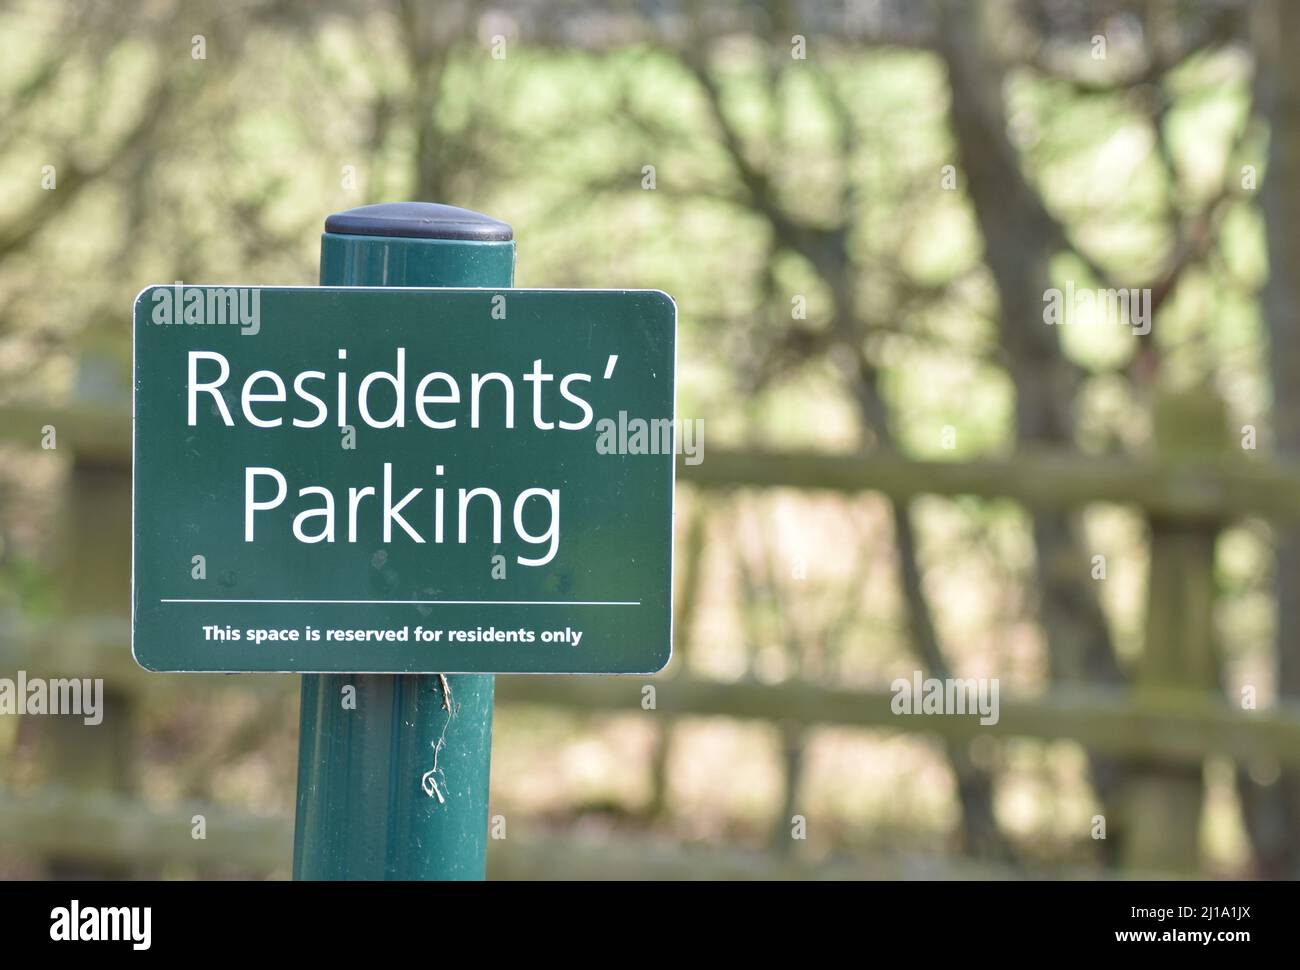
{"type": "Point", "coordinates": [362, 811]}
{"type": "Point", "coordinates": [1162, 827]}
{"type": "Point", "coordinates": [92, 586]}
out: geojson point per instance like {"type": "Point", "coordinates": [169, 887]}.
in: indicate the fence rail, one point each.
{"type": "Point", "coordinates": [1177, 489]}
{"type": "Point", "coordinates": [125, 834]}
{"type": "Point", "coordinates": [1174, 725]}
{"type": "Point", "coordinates": [1195, 490]}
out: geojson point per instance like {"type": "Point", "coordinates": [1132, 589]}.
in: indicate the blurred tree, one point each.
{"type": "Point", "coordinates": [1273, 809]}
{"type": "Point", "coordinates": [801, 212]}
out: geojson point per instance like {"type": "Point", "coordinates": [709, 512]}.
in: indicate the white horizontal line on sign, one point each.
{"type": "Point", "coordinates": [425, 602]}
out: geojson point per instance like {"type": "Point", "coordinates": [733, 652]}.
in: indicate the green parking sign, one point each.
{"type": "Point", "coordinates": [402, 480]}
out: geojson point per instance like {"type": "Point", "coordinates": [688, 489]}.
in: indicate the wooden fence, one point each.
{"type": "Point", "coordinates": [1174, 715]}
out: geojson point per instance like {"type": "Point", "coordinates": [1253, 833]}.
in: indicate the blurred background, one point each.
{"type": "Point", "coordinates": [861, 208]}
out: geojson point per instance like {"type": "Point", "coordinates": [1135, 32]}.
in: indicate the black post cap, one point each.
{"type": "Point", "coordinates": [420, 220]}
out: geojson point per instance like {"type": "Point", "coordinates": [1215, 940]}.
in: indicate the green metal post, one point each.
{"type": "Point", "coordinates": [370, 803]}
